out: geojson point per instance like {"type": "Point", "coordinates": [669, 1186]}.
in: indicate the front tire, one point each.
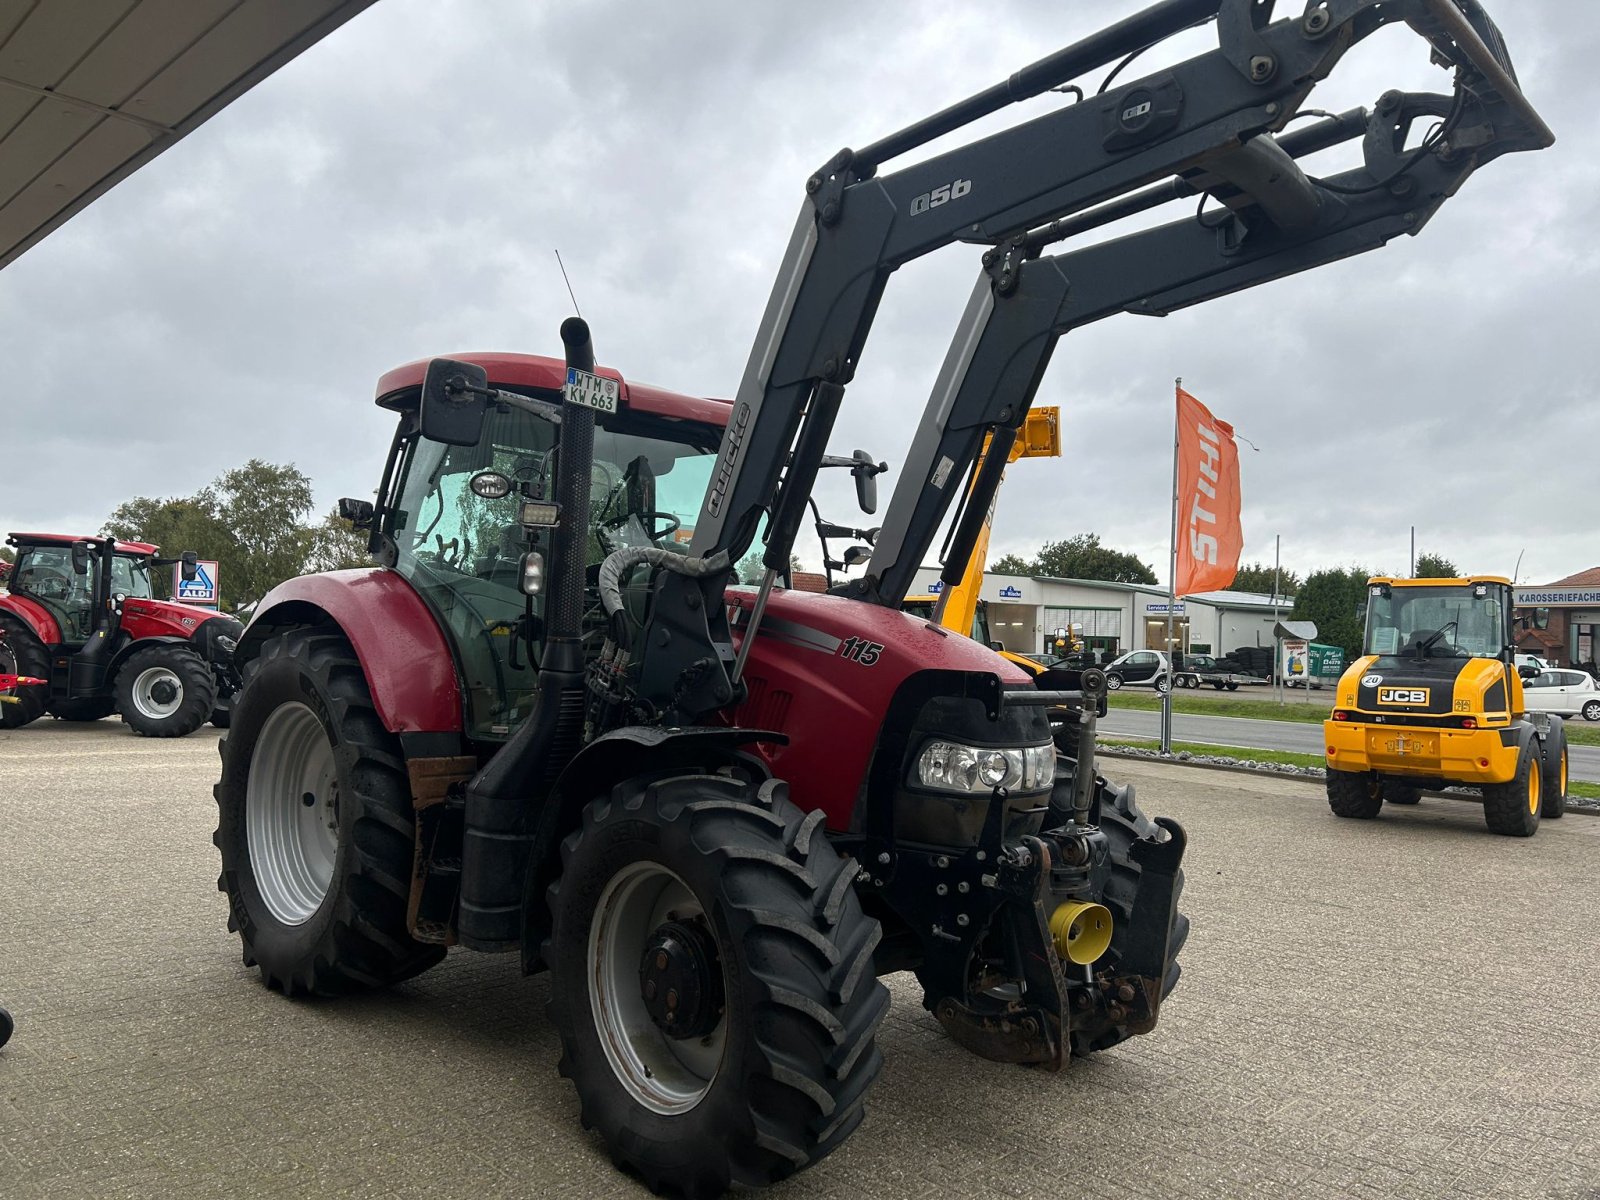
{"type": "Point", "coordinates": [315, 824]}
{"type": "Point", "coordinates": [1512, 809]}
{"type": "Point", "coordinates": [165, 690]}
{"type": "Point", "coordinates": [23, 654]}
{"type": "Point", "coordinates": [1113, 682]}
{"type": "Point", "coordinates": [724, 895]}
{"type": "Point", "coordinates": [1354, 794]}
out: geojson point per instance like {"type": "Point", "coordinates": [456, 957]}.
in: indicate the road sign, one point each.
{"type": "Point", "coordinates": [201, 590]}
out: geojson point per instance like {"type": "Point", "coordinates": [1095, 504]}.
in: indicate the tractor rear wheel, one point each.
{"type": "Point", "coordinates": [712, 982]}
{"type": "Point", "coordinates": [96, 709]}
{"type": "Point", "coordinates": [1554, 804]}
{"type": "Point", "coordinates": [315, 824]}
{"type": "Point", "coordinates": [1513, 808]}
{"type": "Point", "coordinates": [1354, 794]}
{"type": "Point", "coordinates": [22, 654]}
{"type": "Point", "coordinates": [165, 690]}
{"type": "Point", "coordinates": [1124, 824]}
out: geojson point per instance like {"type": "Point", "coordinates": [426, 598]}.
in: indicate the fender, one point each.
{"type": "Point", "coordinates": [120, 655]}
{"type": "Point", "coordinates": [593, 771]}
{"type": "Point", "coordinates": [35, 616]}
{"type": "Point", "coordinates": [403, 653]}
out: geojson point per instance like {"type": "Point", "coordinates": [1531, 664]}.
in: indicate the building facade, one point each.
{"type": "Point", "coordinates": [1025, 611]}
{"type": "Point", "coordinates": [1560, 621]}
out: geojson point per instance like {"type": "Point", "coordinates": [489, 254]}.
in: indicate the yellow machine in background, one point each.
{"type": "Point", "coordinates": [964, 611]}
{"type": "Point", "coordinates": [1435, 700]}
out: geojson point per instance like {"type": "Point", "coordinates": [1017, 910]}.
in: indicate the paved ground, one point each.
{"type": "Point", "coordinates": [1397, 1008]}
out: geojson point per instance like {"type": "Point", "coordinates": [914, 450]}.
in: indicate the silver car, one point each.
{"type": "Point", "coordinates": [1562, 690]}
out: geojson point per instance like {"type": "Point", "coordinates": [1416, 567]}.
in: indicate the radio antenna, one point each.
{"type": "Point", "coordinates": [568, 282]}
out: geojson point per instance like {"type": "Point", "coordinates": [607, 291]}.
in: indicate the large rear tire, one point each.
{"type": "Point", "coordinates": [1512, 809]}
{"type": "Point", "coordinates": [23, 654]}
{"type": "Point", "coordinates": [315, 824]}
{"type": "Point", "coordinates": [1124, 824]}
{"type": "Point", "coordinates": [1354, 794]}
{"type": "Point", "coordinates": [709, 904]}
{"type": "Point", "coordinates": [165, 690]}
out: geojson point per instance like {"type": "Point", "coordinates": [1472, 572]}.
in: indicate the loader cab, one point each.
{"type": "Point", "coordinates": [1425, 620]}
{"type": "Point", "coordinates": [450, 517]}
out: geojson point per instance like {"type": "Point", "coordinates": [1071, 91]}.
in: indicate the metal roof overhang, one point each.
{"type": "Point", "coordinates": [91, 90]}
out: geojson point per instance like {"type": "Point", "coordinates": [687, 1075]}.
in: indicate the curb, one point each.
{"type": "Point", "coordinates": [1104, 752]}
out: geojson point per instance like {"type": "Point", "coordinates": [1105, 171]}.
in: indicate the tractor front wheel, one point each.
{"type": "Point", "coordinates": [712, 982]}
{"type": "Point", "coordinates": [22, 654]}
{"type": "Point", "coordinates": [315, 824]}
{"type": "Point", "coordinates": [1354, 794]}
{"type": "Point", "coordinates": [165, 690]}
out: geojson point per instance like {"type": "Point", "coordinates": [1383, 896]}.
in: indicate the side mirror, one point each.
{"type": "Point", "coordinates": [997, 645]}
{"type": "Point", "coordinates": [1527, 670]}
{"type": "Point", "coordinates": [866, 473]}
{"type": "Point", "coordinates": [80, 557]}
{"type": "Point", "coordinates": [189, 565]}
{"type": "Point", "coordinates": [856, 554]}
{"type": "Point", "coordinates": [455, 401]}
{"type": "Point", "coordinates": [357, 512]}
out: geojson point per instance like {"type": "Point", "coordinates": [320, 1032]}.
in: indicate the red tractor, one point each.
{"type": "Point", "coordinates": [80, 615]}
{"type": "Point", "coordinates": [550, 723]}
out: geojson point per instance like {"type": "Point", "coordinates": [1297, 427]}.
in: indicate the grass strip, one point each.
{"type": "Point", "coordinates": [1589, 791]}
{"type": "Point", "coordinates": [1579, 731]}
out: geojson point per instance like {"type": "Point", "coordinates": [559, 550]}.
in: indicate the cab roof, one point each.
{"type": "Point", "coordinates": [1466, 582]}
{"type": "Point", "coordinates": [66, 539]}
{"type": "Point", "coordinates": [398, 389]}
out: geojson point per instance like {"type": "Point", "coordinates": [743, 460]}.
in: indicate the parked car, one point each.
{"type": "Point", "coordinates": [1138, 667]}
{"type": "Point", "coordinates": [1566, 692]}
{"type": "Point", "coordinates": [1533, 660]}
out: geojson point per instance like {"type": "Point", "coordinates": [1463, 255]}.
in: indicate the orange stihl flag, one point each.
{"type": "Point", "coordinates": [1209, 540]}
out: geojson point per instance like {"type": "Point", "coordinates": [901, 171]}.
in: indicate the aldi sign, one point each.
{"type": "Point", "coordinates": [201, 590]}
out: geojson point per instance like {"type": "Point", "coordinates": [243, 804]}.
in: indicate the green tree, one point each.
{"type": "Point", "coordinates": [1084, 557]}
{"type": "Point", "coordinates": [1435, 566]}
{"type": "Point", "coordinates": [1336, 600]}
{"type": "Point", "coordinates": [336, 544]}
{"type": "Point", "coordinates": [1257, 577]}
{"type": "Point", "coordinates": [1011, 564]}
{"type": "Point", "coordinates": [175, 524]}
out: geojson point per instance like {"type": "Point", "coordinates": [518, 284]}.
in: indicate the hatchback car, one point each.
{"type": "Point", "coordinates": [1138, 666]}
{"type": "Point", "coordinates": [1569, 693]}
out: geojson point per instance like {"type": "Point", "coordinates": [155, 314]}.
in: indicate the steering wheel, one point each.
{"type": "Point", "coordinates": [47, 581]}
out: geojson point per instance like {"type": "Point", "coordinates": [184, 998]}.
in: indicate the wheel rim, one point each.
{"type": "Point", "coordinates": [1533, 791]}
{"type": "Point", "coordinates": [667, 1075]}
{"type": "Point", "coordinates": [1591, 711]}
{"type": "Point", "coordinates": [157, 693]}
{"type": "Point", "coordinates": [293, 841]}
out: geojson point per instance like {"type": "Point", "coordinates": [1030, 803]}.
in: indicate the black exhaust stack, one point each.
{"type": "Point", "coordinates": [502, 798]}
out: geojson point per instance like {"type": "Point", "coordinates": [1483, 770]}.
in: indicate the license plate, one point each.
{"type": "Point", "coordinates": [591, 391]}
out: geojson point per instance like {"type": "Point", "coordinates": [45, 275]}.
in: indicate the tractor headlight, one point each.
{"type": "Point", "coordinates": [954, 767]}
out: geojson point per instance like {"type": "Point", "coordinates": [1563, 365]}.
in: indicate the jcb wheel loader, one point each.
{"type": "Point", "coordinates": [1435, 701]}
{"type": "Point", "coordinates": [716, 814]}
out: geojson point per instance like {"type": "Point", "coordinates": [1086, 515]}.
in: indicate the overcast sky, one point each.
{"type": "Point", "coordinates": [398, 190]}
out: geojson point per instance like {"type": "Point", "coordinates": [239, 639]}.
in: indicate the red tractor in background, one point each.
{"type": "Point", "coordinates": [551, 723]}
{"type": "Point", "coordinates": [81, 615]}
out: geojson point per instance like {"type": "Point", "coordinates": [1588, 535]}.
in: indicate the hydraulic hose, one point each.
{"type": "Point", "coordinates": [619, 562]}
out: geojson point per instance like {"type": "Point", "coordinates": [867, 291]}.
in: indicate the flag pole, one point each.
{"type": "Point", "coordinates": [1172, 578]}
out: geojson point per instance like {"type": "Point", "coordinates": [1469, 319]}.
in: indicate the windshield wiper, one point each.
{"type": "Point", "coordinates": [1427, 643]}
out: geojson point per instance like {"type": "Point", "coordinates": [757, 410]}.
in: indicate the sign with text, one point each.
{"type": "Point", "coordinates": [1209, 538]}
{"type": "Point", "coordinates": [201, 590]}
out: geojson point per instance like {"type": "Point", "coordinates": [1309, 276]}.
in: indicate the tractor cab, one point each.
{"type": "Point", "coordinates": [81, 614]}
{"type": "Point", "coordinates": [451, 517]}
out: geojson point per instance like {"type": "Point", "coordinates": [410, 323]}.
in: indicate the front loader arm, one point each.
{"type": "Point", "coordinates": [856, 228]}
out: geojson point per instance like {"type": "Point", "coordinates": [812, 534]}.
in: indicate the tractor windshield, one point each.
{"type": "Point", "coordinates": [462, 551]}
{"type": "Point", "coordinates": [1435, 622]}
{"type": "Point", "coordinates": [130, 576]}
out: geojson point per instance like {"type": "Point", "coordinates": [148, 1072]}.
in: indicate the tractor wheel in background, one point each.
{"type": "Point", "coordinates": [1124, 824]}
{"type": "Point", "coordinates": [1513, 808]}
{"type": "Point", "coordinates": [1554, 803]}
{"type": "Point", "coordinates": [315, 824]}
{"type": "Point", "coordinates": [23, 654]}
{"type": "Point", "coordinates": [1591, 710]}
{"type": "Point", "coordinates": [1354, 794]}
{"type": "Point", "coordinates": [1113, 681]}
{"type": "Point", "coordinates": [1401, 793]}
{"type": "Point", "coordinates": [83, 710]}
{"type": "Point", "coordinates": [165, 690]}
{"type": "Point", "coordinates": [712, 982]}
